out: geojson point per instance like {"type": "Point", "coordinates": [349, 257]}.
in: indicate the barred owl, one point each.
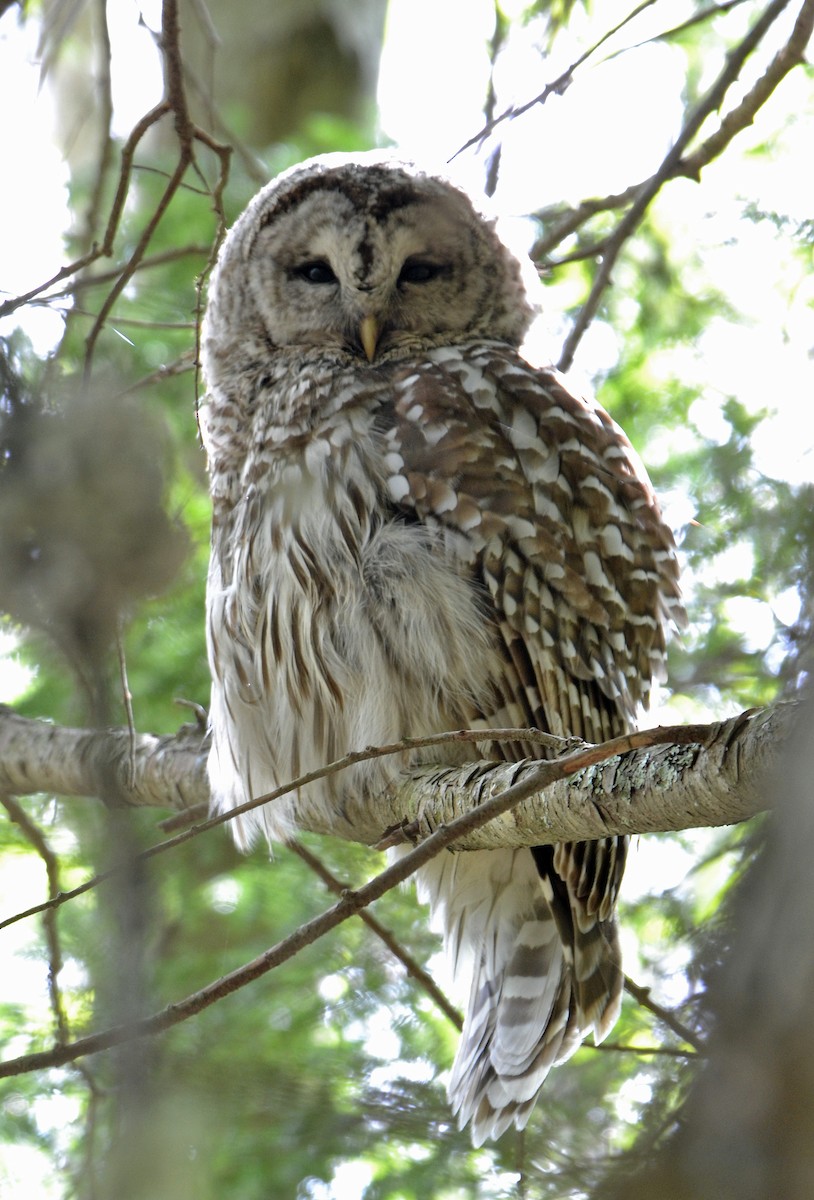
{"type": "Point", "coordinates": [414, 530]}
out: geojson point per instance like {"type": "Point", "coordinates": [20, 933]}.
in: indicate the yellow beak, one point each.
{"type": "Point", "coordinates": [369, 335]}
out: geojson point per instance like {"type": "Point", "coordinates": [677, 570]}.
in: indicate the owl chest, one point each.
{"type": "Point", "coordinates": [305, 520]}
{"type": "Point", "coordinates": [332, 595]}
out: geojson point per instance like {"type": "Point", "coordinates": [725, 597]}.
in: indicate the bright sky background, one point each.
{"type": "Point", "coordinates": [611, 129]}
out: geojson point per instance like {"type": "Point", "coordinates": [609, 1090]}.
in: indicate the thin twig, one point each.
{"type": "Point", "coordinates": [142, 126]}
{"type": "Point", "coordinates": [132, 263]}
{"type": "Point", "coordinates": [62, 1032]}
{"type": "Point", "coordinates": [594, 250]}
{"type": "Point", "coordinates": [254, 167]}
{"type": "Point", "coordinates": [666, 1051]}
{"type": "Point", "coordinates": [188, 134]}
{"type": "Point", "coordinates": [10, 306]}
{"type": "Point", "coordinates": [642, 995]}
{"type": "Point", "coordinates": [35, 837]}
{"type": "Point", "coordinates": [103, 107]}
{"type": "Point", "coordinates": [137, 323]}
{"type": "Point", "coordinates": [427, 983]}
{"type": "Point", "coordinates": [103, 277]}
{"type": "Point", "coordinates": [741, 117]}
{"type": "Point", "coordinates": [710, 103]}
{"type": "Point", "coordinates": [412, 967]}
{"type": "Point", "coordinates": [185, 362]}
{"type": "Point", "coordinates": [556, 88]}
{"type": "Point", "coordinates": [127, 701]}
{"type": "Point", "coordinates": [697, 18]}
{"type": "Point", "coordinates": [561, 224]}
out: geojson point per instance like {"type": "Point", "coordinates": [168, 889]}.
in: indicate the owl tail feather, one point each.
{"type": "Point", "coordinates": [533, 993]}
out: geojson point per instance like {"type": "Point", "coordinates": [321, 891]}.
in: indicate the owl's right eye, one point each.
{"type": "Point", "coordinates": [315, 272]}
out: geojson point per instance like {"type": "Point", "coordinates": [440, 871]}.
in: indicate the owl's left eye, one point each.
{"type": "Point", "coordinates": [315, 272]}
{"type": "Point", "coordinates": [417, 271]}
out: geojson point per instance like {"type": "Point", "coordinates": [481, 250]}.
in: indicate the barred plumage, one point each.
{"type": "Point", "coordinates": [414, 530]}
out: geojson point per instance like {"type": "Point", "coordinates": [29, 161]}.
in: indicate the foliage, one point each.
{"type": "Point", "coordinates": [331, 1068]}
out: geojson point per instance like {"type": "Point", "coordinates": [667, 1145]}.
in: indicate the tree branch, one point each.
{"type": "Point", "coordinates": [535, 776]}
{"type": "Point", "coordinates": [791, 55]}
{"type": "Point", "coordinates": [555, 88]}
{"type": "Point", "coordinates": [411, 966]}
{"type": "Point", "coordinates": [656, 780]}
{"type": "Point", "coordinates": [36, 756]}
{"type": "Point", "coordinates": [671, 165]}
{"type": "Point", "coordinates": [34, 836]}
{"type": "Point", "coordinates": [699, 775]}
{"type": "Point", "coordinates": [642, 996]}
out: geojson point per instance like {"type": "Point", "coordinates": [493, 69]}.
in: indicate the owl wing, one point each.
{"type": "Point", "coordinates": [542, 495]}
{"type": "Point", "coordinates": [539, 496]}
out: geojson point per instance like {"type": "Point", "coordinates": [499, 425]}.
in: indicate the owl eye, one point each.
{"type": "Point", "coordinates": [416, 271]}
{"type": "Point", "coordinates": [315, 272]}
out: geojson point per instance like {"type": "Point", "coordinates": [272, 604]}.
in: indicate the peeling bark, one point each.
{"type": "Point", "coordinates": [715, 780]}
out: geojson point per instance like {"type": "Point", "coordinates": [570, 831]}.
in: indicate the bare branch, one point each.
{"type": "Point", "coordinates": [696, 776]}
{"type": "Point", "coordinates": [458, 831]}
{"type": "Point", "coordinates": [620, 1048]}
{"type": "Point", "coordinates": [34, 836]}
{"type": "Point", "coordinates": [670, 166]}
{"type": "Point", "coordinates": [174, 102]}
{"type": "Point", "coordinates": [526, 779]}
{"type": "Point", "coordinates": [10, 306]}
{"type": "Point", "coordinates": [675, 777]}
{"type": "Point", "coordinates": [741, 117]}
{"type": "Point", "coordinates": [152, 260]}
{"type": "Point", "coordinates": [428, 984]}
{"type": "Point", "coordinates": [130, 267]}
{"type": "Point", "coordinates": [188, 361]}
{"type": "Point", "coordinates": [560, 223]}
{"type": "Point", "coordinates": [413, 968]}
{"type": "Point", "coordinates": [349, 905]}
{"type": "Point", "coordinates": [557, 87]}
{"type": "Point", "coordinates": [697, 18]}
{"type": "Point", "coordinates": [643, 997]}
{"type": "Point", "coordinates": [170, 772]}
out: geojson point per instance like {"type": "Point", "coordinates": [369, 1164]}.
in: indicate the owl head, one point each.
{"type": "Point", "coordinates": [361, 258]}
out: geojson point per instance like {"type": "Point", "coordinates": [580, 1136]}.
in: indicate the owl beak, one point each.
{"type": "Point", "coordinates": [369, 331]}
